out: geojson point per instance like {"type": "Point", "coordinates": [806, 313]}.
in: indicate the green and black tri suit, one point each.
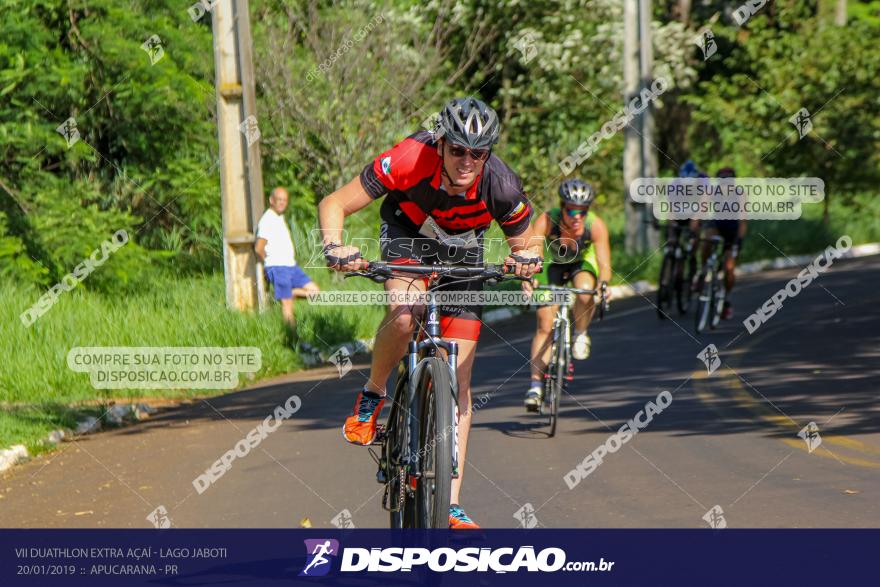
{"type": "Point", "coordinates": [566, 257]}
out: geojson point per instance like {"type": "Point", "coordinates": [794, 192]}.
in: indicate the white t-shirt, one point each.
{"type": "Point", "coordinates": [279, 246]}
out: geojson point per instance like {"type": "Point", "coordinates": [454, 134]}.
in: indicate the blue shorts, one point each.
{"type": "Point", "coordinates": [285, 279]}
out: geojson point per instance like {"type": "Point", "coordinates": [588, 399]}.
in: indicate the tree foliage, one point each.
{"type": "Point", "coordinates": [337, 82]}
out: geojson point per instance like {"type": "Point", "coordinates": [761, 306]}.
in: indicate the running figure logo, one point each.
{"type": "Point", "coordinates": [526, 516]}
{"type": "Point", "coordinates": [526, 46]}
{"type": "Point", "coordinates": [810, 435]}
{"type": "Point", "coordinates": [710, 358]}
{"type": "Point", "coordinates": [342, 359]}
{"type": "Point", "coordinates": [802, 121]}
{"type": "Point", "coordinates": [321, 552]}
{"type": "Point", "coordinates": [153, 48]}
{"type": "Point", "coordinates": [715, 518]}
{"type": "Point", "coordinates": [706, 42]}
{"type": "Point", "coordinates": [69, 131]}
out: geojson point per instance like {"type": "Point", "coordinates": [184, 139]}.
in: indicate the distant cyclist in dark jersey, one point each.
{"type": "Point", "coordinates": [733, 232]}
{"type": "Point", "coordinates": [580, 254]}
{"type": "Point", "coordinates": [688, 170]}
{"type": "Point", "coordinates": [444, 189]}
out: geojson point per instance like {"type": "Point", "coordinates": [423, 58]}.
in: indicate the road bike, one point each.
{"type": "Point", "coordinates": [677, 270]}
{"type": "Point", "coordinates": [710, 287]}
{"type": "Point", "coordinates": [419, 441]}
{"type": "Point", "coordinates": [560, 368]}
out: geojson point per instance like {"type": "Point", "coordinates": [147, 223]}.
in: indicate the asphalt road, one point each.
{"type": "Point", "coordinates": [728, 439]}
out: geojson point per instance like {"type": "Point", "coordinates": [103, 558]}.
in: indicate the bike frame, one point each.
{"type": "Point", "coordinates": [563, 315]}
{"type": "Point", "coordinates": [715, 259]}
{"type": "Point", "coordinates": [425, 342]}
{"type": "Point", "coordinates": [562, 328]}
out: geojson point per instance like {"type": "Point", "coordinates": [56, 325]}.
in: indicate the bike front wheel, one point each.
{"type": "Point", "coordinates": [717, 300]}
{"type": "Point", "coordinates": [554, 379]}
{"type": "Point", "coordinates": [664, 288]}
{"type": "Point", "coordinates": [436, 444]}
{"type": "Point", "coordinates": [705, 302]}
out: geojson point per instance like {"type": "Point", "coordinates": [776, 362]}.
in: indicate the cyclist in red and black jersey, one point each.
{"type": "Point", "coordinates": [442, 191]}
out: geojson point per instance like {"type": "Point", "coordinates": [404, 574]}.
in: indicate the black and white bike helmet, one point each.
{"type": "Point", "coordinates": [469, 122]}
{"type": "Point", "coordinates": [576, 192]}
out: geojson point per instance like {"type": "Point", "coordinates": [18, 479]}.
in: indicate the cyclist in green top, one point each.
{"type": "Point", "coordinates": [578, 251]}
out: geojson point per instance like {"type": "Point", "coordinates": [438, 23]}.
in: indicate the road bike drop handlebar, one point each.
{"type": "Point", "coordinates": [381, 272]}
{"type": "Point", "coordinates": [602, 292]}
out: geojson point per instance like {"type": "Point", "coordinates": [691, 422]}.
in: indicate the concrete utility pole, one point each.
{"type": "Point", "coordinates": [632, 142]}
{"type": "Point", "coordinates": [650, 236]}
{"type": "Point", "coordinates": [639, 157]}
{"type": "Point", "coordinates": [840, 13]}
{"type": "Point", "coordinates": [241, 178]}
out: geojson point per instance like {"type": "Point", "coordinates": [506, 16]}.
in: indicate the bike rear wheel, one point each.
{"type": "Point", "coordinates": [436, 441]}
{"type": "Point", "coordinates": [686, 271]}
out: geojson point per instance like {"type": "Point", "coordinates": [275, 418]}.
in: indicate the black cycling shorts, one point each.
{"type": "Point", "coordinates": [401, 245]}
{"type": "Point", "coordinates": [729, 231]}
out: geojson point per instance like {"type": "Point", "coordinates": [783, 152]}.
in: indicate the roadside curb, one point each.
{"type": "Point", "coordinates": [116, 416]}
{"type": "Point", "coordinates": [312, 356]}
{"type": "Point", "coordinates": [13, 455]}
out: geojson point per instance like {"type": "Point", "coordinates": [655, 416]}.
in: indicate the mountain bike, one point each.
{"type": "Point", "coordinates": [419, 441]}
{"type": "Point", "coordinates": [710, 287]}
{"type": "Point", "coordinates": [677, 270]}
{"type": "Point", "coordinates": [560, 368]}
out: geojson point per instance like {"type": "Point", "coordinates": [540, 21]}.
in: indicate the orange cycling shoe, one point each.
{"type": "Point", "coordinates": [458, 520]}
{"type": "Point", "coordinates": [360, 427]}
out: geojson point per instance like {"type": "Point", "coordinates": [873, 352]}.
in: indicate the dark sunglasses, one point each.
{"type": "Point", "coordinates": [575, 213]}
{"type": "Point", "coordinates": [476, 154]}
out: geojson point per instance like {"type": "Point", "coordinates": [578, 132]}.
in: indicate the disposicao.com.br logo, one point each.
{"type": "Point", "coordinates": [469, 559]}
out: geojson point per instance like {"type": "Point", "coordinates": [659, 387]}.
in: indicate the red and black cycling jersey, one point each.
{"type": "Point", "coordinates": [410, 172]}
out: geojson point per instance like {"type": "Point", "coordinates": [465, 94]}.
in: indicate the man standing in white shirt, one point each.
{"type": "Point", "coordinates": [275, 248]}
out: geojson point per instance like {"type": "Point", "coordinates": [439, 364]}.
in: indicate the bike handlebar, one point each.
{"type": "Point", "coordinates": [602, 292]}
{"type": "Point", "coordinates": [573, 290]}
{"type": "Point", "coordinates": [380, 271]}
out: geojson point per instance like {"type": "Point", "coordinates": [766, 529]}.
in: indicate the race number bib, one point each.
{"type": "Point", "coordinates": [466, 240]}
